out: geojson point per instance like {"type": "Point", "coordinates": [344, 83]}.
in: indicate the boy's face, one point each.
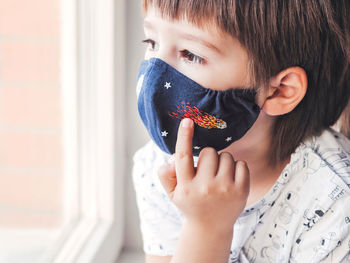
{"type": "Point", "coordinates": [213, 59]}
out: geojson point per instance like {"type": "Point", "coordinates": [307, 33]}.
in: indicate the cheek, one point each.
{"type": "Point", "coordinates": [204, 77]}
{"type": "Point", "coordinates": [228, 73]}
{"type": "Point", "coordinates": [236, 74]}
{"type": "Point", "coordinates": [224, 78]}
{"type": "Point", "coordinates": [148, 54]}
{"type": "Point", "coordinates": [209, 79]}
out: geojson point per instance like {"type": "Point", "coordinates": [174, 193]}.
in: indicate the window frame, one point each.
{"type": "Point", "coordinates": [93, 81]}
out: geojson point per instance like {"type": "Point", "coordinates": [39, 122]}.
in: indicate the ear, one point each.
{"type": "Point", "coordinates": [286, 90]}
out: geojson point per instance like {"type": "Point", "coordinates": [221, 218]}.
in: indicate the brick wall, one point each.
{"type": "Point", "coordinates": [30, 114]}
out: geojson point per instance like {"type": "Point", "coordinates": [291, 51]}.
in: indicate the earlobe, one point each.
{"type": "Point", "coordinates": [287, 89]}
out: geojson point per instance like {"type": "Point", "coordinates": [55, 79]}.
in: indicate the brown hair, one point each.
{"type": "Point", "coordinates": [312, 34]}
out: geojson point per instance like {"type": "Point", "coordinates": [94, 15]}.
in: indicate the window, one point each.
{"type": "Point", "coordinates": [61, 154]}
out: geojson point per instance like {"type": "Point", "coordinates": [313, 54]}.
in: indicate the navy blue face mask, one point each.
{"type": "Point", "coordinates": [166, 96]}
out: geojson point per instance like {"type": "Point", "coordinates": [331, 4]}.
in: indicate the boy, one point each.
{"type": "Point", "coordinates": [274, 185]}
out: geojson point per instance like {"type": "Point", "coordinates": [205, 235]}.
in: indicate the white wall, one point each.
{"type": "Point", "coordinates": [136, 133]}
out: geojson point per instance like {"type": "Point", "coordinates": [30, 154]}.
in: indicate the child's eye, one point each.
{"type": "Point", "coordinates": [190, 57]}
{"type": "Point", "coordinates": [152, 45]}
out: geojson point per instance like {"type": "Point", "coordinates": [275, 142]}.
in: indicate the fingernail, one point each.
{"type": "Point", "coordinates": [186, 123]}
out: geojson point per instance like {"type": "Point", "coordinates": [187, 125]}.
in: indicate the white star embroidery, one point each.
{"type": "Point", "coordinates": [229, 139]}
{"type": "Point", "coordinates": [196, 147]}
{"type": "Point", "coordinates": [164, 133]}
{"type": "Point", "coordinates": [167, 85]}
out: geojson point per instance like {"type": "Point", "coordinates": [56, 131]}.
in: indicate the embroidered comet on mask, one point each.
{"type": "Point", "coordinates": [201, 118]}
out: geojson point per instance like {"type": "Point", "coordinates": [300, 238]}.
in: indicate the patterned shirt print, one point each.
{"type": "Point", "coordinates": [305, 216]}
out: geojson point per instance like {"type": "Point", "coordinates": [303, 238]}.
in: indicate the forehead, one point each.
{"type": "Point", "coordinates": [198, 13]}
{"type": "Point", "coordinates": [209, 34]}
{"type": "Point", "coordinates": [154, 17]}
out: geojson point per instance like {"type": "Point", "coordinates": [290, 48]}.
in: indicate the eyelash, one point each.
{"type": "Point", "coordinates": [149, 42]}
{"type": "Point", "coordinates": [189, 56]}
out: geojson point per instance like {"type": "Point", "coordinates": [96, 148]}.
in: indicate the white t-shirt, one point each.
{"type": "Point", "coordinates": [305, 216]}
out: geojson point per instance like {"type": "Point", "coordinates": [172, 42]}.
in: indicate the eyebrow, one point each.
{"type": "Point", "coordinates": [202, 41]}
{"type": "Point", "coordinates": [189, 37]}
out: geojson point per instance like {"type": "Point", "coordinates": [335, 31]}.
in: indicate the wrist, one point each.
{"type": "Point", "coordinates": [206, 242]}
{"type": "Point", "coordinates": [214, 229]}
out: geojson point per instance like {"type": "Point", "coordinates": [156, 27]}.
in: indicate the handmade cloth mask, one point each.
{"type": "Point", "coordinates": [166, 96]}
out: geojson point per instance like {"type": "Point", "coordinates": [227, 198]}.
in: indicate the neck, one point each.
{"type": "Point", "coordinates": [254, 149]}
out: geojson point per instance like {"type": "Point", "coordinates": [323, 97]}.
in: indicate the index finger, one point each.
{"type": "Point", "coordinates": [183, 151]}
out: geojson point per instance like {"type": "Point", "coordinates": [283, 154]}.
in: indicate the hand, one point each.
{"type": "Point", "coordinates": [212, 195]}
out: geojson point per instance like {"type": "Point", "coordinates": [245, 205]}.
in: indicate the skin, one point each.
{"type": "Point", "coordinates": [213, 195]}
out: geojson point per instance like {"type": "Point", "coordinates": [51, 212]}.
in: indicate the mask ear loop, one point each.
{"type": "Point", "coordinates": [256, 95]}
{"type": "Point", "coordinates": [262, 106]}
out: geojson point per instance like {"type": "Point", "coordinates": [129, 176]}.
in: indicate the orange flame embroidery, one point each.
{"type": "Point", "coordinates": [201, 118]}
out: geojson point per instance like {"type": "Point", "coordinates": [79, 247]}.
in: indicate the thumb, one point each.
{"type": "Point", "coordinates": [167, 177]}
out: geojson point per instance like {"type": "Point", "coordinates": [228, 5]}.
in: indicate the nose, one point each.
{"type": "Point", "coordinates": [167, 53]}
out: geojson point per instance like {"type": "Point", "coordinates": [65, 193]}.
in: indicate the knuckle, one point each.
{"type": "Point", "coordinates": [184, 191]}
{"type": "Point", "coordinates": [205, 190]}
{"type": "Point", "coordinates": [183, 155]}
{"type": "Point", "coordinates": [161, 171]}
{"type": "Point", "coordinates": [225, 189]}
{"type": "Point", "coordinates": [179, 198]}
